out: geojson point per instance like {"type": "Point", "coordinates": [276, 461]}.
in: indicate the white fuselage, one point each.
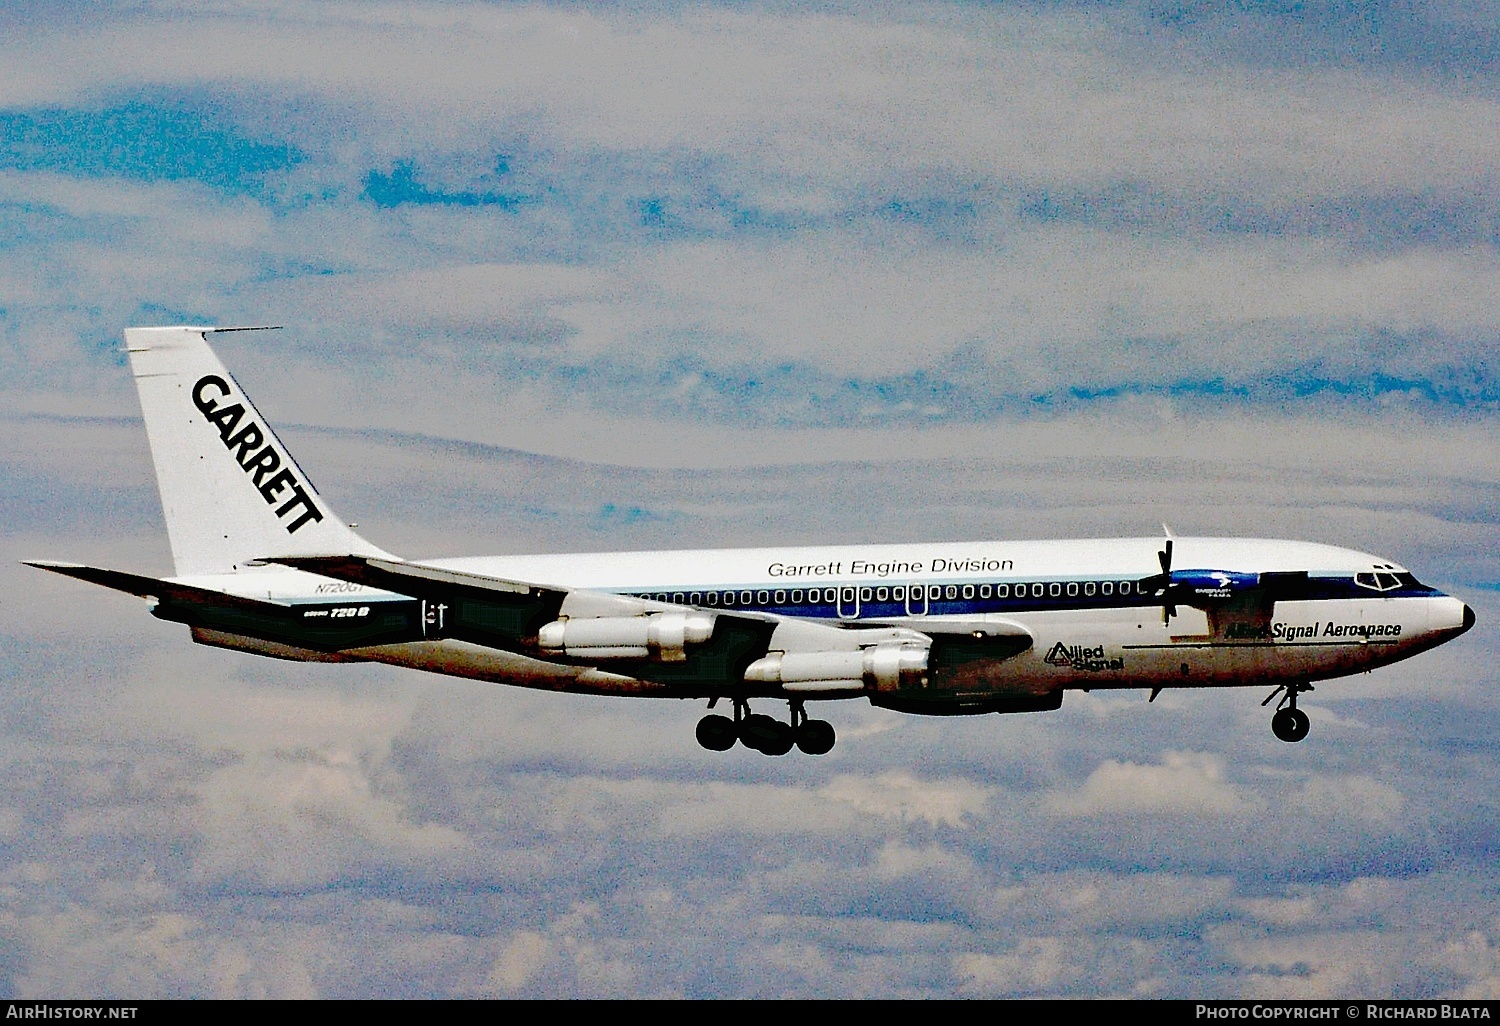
{"type": "Point", "coordinates": [1094, 621]}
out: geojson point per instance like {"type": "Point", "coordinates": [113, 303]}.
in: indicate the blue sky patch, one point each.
{"type": "Point", "coordinates": [144, 141]}
{"type": "Point", "coordinates": [403, 186]}
{"type": "Point", "coordinates": [796, 395]}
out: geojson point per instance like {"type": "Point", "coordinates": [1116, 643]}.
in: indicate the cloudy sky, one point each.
{"type": "Point", "coordinates": [667, 274]}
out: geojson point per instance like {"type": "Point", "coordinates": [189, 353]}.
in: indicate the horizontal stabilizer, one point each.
{"type": "Point", "coordinates": [151, 587]}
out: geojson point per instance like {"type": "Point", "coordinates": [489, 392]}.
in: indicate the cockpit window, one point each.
{"type": "Point", "coordinates": [1379, 579]}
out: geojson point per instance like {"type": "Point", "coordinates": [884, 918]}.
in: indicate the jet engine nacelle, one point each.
{"type": "Point", "coordinates": [661, 636]}
{"type": "Point", "coordinates": [884, 667]}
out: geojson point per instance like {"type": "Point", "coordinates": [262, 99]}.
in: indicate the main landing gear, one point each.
{"type": "Point", "coordinates": [1290, 723]}
{"type": "Point", "coordinates": [763, 734]}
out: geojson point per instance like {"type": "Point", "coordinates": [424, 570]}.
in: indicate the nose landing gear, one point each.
{"type": "Point", "coordinates": [764, 734]}
{"type": "Point", "coordinates": [1290, 724]}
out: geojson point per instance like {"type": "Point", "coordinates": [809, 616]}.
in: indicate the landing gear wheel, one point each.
{"type": "Point", "coordinates": [1290, 724]}
{"type": "Point", "coordinates": [815, 737]}
{"type": "Point", "coordinates": [781, 740]}
{"type": "Point", "coordinates": [765, 735]}
{"type": "Point", "coordinates": [717, 733]}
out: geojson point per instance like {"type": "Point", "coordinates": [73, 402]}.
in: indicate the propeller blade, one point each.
{"type": "Point", "coordinates": [1164, 557]}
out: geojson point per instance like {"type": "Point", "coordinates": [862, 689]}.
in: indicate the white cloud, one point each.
{"type": "Point", "coordinates": [1114, 900]}
{"type": "Point", "coordinates": [1475, 961]}
{"type": "Point", "coordinates": [900, 795]}
{"type": "Point", "coordinates": [157, 954]}
{"type": "Point", "coordinates": [1357, 797]}
{"type": "Point", "coordinates": [520, 959]}
{"type": "Point", "coordinates": [803, 95]}
{"type": "Point", "coordinates": [1033, 965]}
{"type": "Point", "coordinates": [861, 109]}
{"type": "Point", "coordinates": [308, 820]}
{"type": "Point", "coordinates": [1183, 783]}
{"type": "Point", "coordinates": [1053, 307]}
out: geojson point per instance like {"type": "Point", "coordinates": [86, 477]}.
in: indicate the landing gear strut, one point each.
{"type": "Point", "coordinates": [764, 734]}
{"type": "Point", "coordinates": [1290, 724]}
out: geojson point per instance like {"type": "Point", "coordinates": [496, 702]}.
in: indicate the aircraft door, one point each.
{"type": "Point", "coordinates": [848, 607]}
{"type": "Point", "coordinates": [916, 600]}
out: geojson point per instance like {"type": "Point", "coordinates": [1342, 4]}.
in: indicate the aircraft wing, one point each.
{"type": "Point", "coordinates": [415, 579]}
{"type": "Point", "coordinates": [674, 643]}
{"type": "Point", "coordinates": [562, 623]}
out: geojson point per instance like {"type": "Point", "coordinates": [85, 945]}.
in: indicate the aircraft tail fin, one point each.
{"type": "Point", "coordinates": [231, 492]}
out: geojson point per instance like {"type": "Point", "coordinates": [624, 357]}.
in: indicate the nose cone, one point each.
{"type": "Point", "coordinates": [1450, 617]}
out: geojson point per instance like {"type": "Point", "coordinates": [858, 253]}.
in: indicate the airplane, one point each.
{"type": "Point", "coordinates": [263, 565]}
